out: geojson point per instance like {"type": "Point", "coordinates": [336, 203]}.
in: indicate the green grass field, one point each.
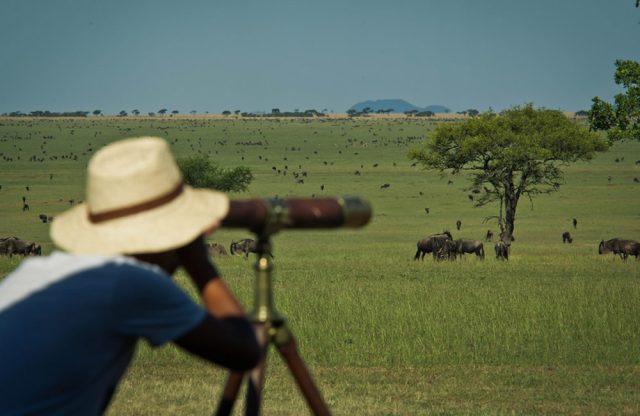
{"type": "Point", "coordinates": [554, 330]}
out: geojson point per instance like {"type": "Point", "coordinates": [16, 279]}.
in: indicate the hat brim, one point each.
{"type": "Point", "coordinates": [163, 228]}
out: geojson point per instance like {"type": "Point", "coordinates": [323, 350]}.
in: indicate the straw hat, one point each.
{"type": "Point", "coordinates": [136, 203]}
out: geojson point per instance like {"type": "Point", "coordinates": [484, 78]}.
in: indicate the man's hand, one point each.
{"type": "Point", "coordinates": [218, 300]}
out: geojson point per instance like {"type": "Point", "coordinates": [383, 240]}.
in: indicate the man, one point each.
{"type": "Point", "coordinates": [69, 322]}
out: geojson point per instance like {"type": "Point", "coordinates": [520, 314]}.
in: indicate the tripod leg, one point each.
{"type": "Point", "coordinates": [230, 393]}
{"type": "Point", "coordinates": [289, 352]}
{"type": "Point", "coordinates": [256, 376]}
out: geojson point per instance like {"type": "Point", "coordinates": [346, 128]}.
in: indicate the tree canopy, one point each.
{"type": "Point", "coordinates": [200, 172]}
{"type": "Point", "coordinates": [516, 153]}
{"type": "Point", "coordinates": [621, 119]}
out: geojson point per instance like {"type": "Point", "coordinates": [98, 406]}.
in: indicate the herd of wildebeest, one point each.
{"type": "Point", "coordinates": [443, 247]}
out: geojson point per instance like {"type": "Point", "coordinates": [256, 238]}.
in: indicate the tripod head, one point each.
{"type": "Point", "coordinates": [270, 215]}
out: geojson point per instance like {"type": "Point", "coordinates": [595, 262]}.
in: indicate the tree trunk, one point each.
{"type": "Point", "coordinates": [510, 203]}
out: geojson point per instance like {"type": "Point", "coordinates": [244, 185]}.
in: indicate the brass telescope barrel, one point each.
{"type": "Point", "coordinates": [271, 214]}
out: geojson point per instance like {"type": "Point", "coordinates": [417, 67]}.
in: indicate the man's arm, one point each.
{"type": "Point", "coordinates": [229, 342]}
{"type": "Point", "coordinates": [230, 337]}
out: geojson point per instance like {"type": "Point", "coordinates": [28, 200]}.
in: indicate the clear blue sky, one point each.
{"type": "Point", "coordinates": [216, 55]}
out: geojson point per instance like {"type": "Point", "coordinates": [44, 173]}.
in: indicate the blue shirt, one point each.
{"type": "Point", "coordinates": [69, 326]}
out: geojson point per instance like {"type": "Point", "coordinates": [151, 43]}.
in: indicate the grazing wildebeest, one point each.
{"type": "Point", "coordinates": [489, 235]}
{"type": "Point", "coordinates": [566, 237]}
{"type": "Point", "coordinates": [575, 223]}
{"type": "Point", "coordinates": [43, 218]}
{"type": "Point", "coordinates": [384, 186]}
{"type": "Point", "coordinates": [426, 210]}
{"type": "Point", "coordinates": [618, 246]}
{"type": "Point", "coordinates": [216, 250]}
{"type": "Point", "coordinates": [502, 250]}
{"type": "Point", "coordinates": [13, 245]}
{"type": "Point", "coordinates": [245, 246]}
{"type": "Point", "coordinates": [458, 224]}
{"type": "Point", "coordinates": [470, 246]}
{"type": "Point", "coordinates": [448, 251]}
{"type": "Point", "coordinates": [431, 244]}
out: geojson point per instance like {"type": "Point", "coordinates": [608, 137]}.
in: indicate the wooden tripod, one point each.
{"type": "Point", "coordinates": [270, 328]}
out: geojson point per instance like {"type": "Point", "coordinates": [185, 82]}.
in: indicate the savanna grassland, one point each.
{"type": "Point", "coordinates": [554, 330]}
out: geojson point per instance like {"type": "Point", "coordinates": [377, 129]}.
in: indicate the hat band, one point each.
{"type": "Point", "coordinates": [138, 208]}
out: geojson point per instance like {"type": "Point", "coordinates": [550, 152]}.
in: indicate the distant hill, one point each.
{"type": "Point", "coordinates": [397, 106]}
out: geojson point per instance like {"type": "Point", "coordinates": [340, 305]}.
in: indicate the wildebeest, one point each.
{"type": "Point", "coordinates": [13, 245]}
{"type": "Point", "coordinates": [448, 251]}
{"type": "Point", "coordinates": [502, 250]}
{"type": "Point", "coordinates": [384, 186]}
{"type": "Point", "coordinates": [458, 224]}
{"type": "Point", "coordinates": [566, 237]}
{"type": "Point", "coordinates": [575, 223]}
{"type": "Point", "coordinates": [489, 235]}
{"type": "Point", "coordinates": [43, 218]}
{"type": "Point", "coordinates": [216, 250]}
{"type": "Point", "coordinates": [463, 246]}
{"type": "Point", "coordinates": [244, 246]}
{"type": "Point", "coordinates": [623, 248]}
{"type": "Point", "coordinates": [431, 244]}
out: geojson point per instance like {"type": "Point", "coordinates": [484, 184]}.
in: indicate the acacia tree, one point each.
{"type": "Point", "coordinates": [509, 155]}
{"type": "Point", "coordinates": [199, 171]}
{"type": "Point", "coordinates": [622, 118]}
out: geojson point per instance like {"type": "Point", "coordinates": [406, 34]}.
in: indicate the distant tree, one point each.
{"type": "Point", "coordinates": [162, 111]}
{"type": "Point", "coordinates": [151, 114]}
{"type": "Point", "coordinates": [621, 119]}
{"type": "Point", "coordinates": [411, 112]}
{"type": "Point", "coordinates": [97, 112]}
{"type": "Point", "coordinates": [472, 112]}
{"type": "Point", "coordinates": [135, 112]}
{"type": "Point", "coordinates": [175, 112]}
{"type": "Point", "coordinates": [199, 171]}
{"type": "Point", "coordinates": [122, 113]}
{"type": "Point", "coordinates": [581, 113]}
{"type": "Point", "coordinates": [236, 112]}
{"type": "Point", "coordinates": [275, 111]}
{"type": "Point", "coordinates": [226, 113]}
{"type": "Point", "coordinates": [517, 153]}
{"type": "Point", "coordinates": [351, 112]}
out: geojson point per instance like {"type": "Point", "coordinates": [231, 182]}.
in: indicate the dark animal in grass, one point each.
{"type": "Point", "coordinates": [426, 210]}
{"type": "Point", "coordinates": [384, 186]}
{"type": "Point", "coordinates": [566, 237]}
{"type": "Point", "coordinates": [470, 246]}
{"type": "Point", "coordinates": [575, 223]}
{"type": "Point", "coordinates": [458, 225]}
{"type": "Point", "coordinates": [622, 248]}
{"type": "Point", "coordinates": [25, 207]}
{"type": "Point", "coordinates": [43, 218]}
{"type": "Point", "coordinates": [489, 235]}
{"type": "Point", "coordinates": [502, 250]}
{"type": "Point", "coordinates": [245, 246]}
{"type": "Point", "coordinates": [216, 250]}
{"type": "Point", "coordinates": [431, 244]}
{"type": "Point", "coordinates": [12, 245]}
{"type": "Point", "coordinates": [448, 251]}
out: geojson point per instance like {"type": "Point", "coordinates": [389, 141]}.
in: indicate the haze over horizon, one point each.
{"type": "Point", "coordinates": [204, 56]}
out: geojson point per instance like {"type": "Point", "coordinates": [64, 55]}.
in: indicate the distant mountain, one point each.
{"type": "Point", "coordinates": [397, 106]}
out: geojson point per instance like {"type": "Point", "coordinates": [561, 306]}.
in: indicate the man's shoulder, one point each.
{"type": "Point", "coordinates": [37, 274]}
